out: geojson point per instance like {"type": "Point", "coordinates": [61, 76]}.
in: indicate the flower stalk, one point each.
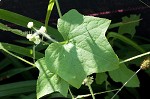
{"type": "Point", "coordinates": [35, 36]}
{"type": "Point", "coordinates": [88, 81]}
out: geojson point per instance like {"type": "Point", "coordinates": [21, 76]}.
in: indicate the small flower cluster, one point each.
{"type": "Point", "coordinates": [146, 63]}
{"type": "Point", "coordinates": [88, 81]}
{"type": "Point", "coordinates": [35, 36]}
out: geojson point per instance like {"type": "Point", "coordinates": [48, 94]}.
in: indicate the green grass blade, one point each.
{"type": "Point", "coordinates": [49, 10]}
{"type": "Point", "coordinates": [21, 50]}
{"type": "Point", "coordinates": [126, 40]}
{"type": "Point", "coordinates": [27, 42]}
{"type": "Point", "coordinates": [15, 31]}
{"type": "Point", "coordinates": [30, 96]}
{"type": "Point", "coordinates": [13, 72]}
{"type": "Point", "coordinates": [17, 19]}
{"type": "Point", "coordinates": [18, 64]}
{"type": "Point", "coordinates": [5, 62]}
{"type": "Point", "coordinates": [17, 88]}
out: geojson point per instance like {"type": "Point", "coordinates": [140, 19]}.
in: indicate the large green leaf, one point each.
{"type": "Point", "coordinates": [63, 60]}
{"type": "Point", "coordinates": [49, 82]}
{"type": "Point", "coordinates": [122, 74]}
{"type": "Point", "coordinates": [87, 50]}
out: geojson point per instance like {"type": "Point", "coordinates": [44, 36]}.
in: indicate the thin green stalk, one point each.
{"type": "Point", "coordinates": [91, 91]}
{"type": "Point", "coordinates": [126, 83]}
{"type": "Point", "coordinates": [132, 58]}
{"type": "Point", "coordinates": [141, 67]}
{"type": "Point", "coordinates": [58, 8]}
{"type": "Point", "coordinates": [19, 57]}
{"type": "Point", "coordinates": [144, 3]}
{"type": "Point", "coordinates": [71, 94]}
{"type": "Point", "coordinates": [87, 95]}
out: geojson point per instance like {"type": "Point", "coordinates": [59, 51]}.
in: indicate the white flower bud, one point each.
{"type": "Point", "coordinates": [29, 36]}
{"type": "Point", "coordinates": [30, 25]}
{"type": "Point", "coordinates": [42, 29]}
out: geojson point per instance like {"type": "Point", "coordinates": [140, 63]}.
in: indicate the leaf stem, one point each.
{"type": "Point", "coordinates": [58, 8]}
{"type": "Point", "coordinates": [132, 58]}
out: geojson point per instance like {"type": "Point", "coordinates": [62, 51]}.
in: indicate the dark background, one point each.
{"type": "Point", "coordinates": [111, 9]}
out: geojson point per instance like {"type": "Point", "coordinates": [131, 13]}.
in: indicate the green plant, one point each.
{"type": "Point", "coordinates": [73, 53]}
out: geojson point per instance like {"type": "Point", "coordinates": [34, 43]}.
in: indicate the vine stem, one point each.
{"type": "Point", "coordinates": [58, 8]}
{"type": "Point", "coordinates": [126, 83]}
{"type": "Point", "coordinates": [19, 58]}
{"type": "Point", "coordinates": [87, 95]}
{"type": "Point", "coordinates": [132, 58]}
{"type": "Point", "coordinates": [91, 91]}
